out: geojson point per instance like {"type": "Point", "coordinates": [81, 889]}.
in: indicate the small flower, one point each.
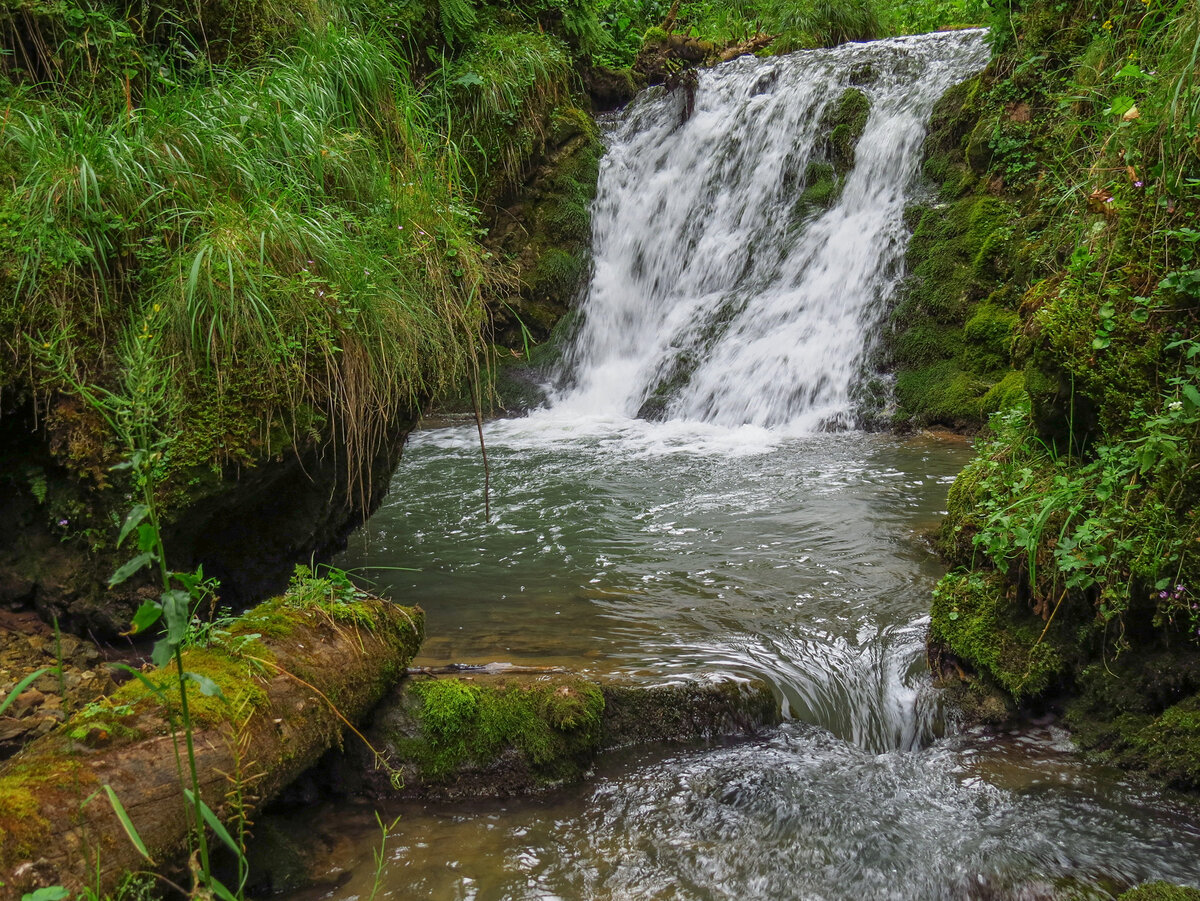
{"type": "Point", "coordinates": [63, 523]}
{"type": "Point", "coordinates": [1137, 184]}
{"type": "Point", "coordinates": [1107, 26]}
{"type": "Point", "coordinates": [1175, 406]}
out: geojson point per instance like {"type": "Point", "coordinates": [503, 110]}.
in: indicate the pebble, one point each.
{"type": "Point", "coordinates": [27, 645]}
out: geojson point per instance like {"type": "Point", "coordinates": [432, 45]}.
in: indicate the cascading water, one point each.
{"type": "Point", "coordinates": [716, 287]}
{"type": "Point", "coordinates": [731, 538]}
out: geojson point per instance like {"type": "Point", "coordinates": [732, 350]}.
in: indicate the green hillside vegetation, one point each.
{"type": "Point", "coordinates": [1056, 283]}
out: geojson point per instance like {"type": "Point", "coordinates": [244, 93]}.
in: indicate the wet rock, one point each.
{"type": "Point", "coordinates": [489, 735]}
{"type": "Point", "coordinates": [610, 88]}
{"type": "Point", "coordinates": [663, 55]}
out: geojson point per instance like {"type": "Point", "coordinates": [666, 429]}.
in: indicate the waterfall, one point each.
{"type": "Point", "coordinates": [721, 292]}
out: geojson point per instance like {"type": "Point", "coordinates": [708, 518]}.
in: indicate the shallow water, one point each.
{"type": "Point", "coordinates": [663, 548]}
{"type": "Point", "coordinates": [669, 549]}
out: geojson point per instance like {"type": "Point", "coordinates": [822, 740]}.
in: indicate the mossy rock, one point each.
{"type": "Point", "coordinates": [996, 637]}
{"type": "Point", "coordinates": [1161, 891]}
{"type": "Point", "coordinates": [951, 338]}
{"type": "Point", "coordinates": [1006, 394]}
{"type": "Point", "coordinates": [556, 273]}
{"type": "Point", "coordinates": [822, 187]}
{"type": "Point", "coordinates": [469, 738]}
{"type": "Point", "coordinates": [844, 122]}
{"type": "Point", "coordinates": [941, 394]}
{"type": "Point", "coordinates": [988, 337]}
{"type": "Point", "coordinates": [546, 232]}
{"type": "Point", "coordinates": [487, 734]}
{"type": "Point", "coordinates": [1143, 713]}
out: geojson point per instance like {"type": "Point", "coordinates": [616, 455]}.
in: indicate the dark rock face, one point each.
{"type": "Point", "coordinates": [247, 526]}
{"type": "Point", "coordinates": [610, 88]}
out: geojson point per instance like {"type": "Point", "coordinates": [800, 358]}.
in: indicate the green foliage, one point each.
{"type": "Point", "coordinates": [921, 16]}
{"type": "Point", "coordinates": [1066, 250]}
{"type": "Point", "coordinates": [1108, 529]}
{"type": "Point", "coordinates": [827, 23]}
{"type": "Point", "coordinates": [458, 19]}
{"type": "Point", "coordinates": [497, 100]}
{"type": "Point", "coordinates": [333, 593]}
{"type": "Point", "coordinates": [296, 228]}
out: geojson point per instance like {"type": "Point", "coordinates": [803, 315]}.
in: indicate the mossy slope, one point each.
{"type": "Point", "coordinates": [1055, 280]}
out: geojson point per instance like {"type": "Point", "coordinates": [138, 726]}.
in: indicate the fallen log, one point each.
{"type": "Point", "coordinates": [292, 674]}
{"type": "Point", "coordinates": [753, 45]}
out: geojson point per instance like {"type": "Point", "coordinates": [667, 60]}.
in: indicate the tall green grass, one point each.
{"type": "Point", "coordinates": [497, 99]}
{"type": "Point", "coordinates": [297, 226]}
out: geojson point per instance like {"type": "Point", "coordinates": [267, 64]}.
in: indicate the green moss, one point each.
{"type": "Point", "coordinates": [926, 343]}
{"type": "Point", "coordinates": [239, 682]}
{"type": "Point", "coordinates": [556, 273]}
{"type": "Point", "coordinates": [22, 828]}
{"type": "Point", "coordinates": [1007, 393]}
{"type": "Point", "coordinates": [844, 122]}
{"type": "Point", "coordinates": [942, 393]}
{"type": "Point", "coordinates": [988, 338]}
{"type": "Point", "coordinates": [554, 726]}
{"type": "Point", "coordinates": [1160, 891]}
{"type": "Point", "coordinates": [27, 784]}
{"type": "Point", "coordinates": [961, 522]}
{"type": "Point", "coordinates": [654, 36]}
{"type": "Point", "coordinates": [972, 619]}
{"type": "Point", "coordinates": [951, 340]}
{"type": "Point", "coordinates": [821, 188]}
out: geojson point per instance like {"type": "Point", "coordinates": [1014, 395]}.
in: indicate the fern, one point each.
{"type": "Point", "coordinates": [458, 20]}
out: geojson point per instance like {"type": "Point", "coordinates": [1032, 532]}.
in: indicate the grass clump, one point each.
{"type": "Point", "coordinates": [292, 232]}
{"type": "Point", "coordinates": [498, 99]}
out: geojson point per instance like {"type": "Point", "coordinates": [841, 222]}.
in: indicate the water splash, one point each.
{"type": "Point", "coordinates": [716, 295]}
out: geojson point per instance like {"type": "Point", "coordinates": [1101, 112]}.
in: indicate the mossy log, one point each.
{"type": "Point", "coordinates": [291, 673]}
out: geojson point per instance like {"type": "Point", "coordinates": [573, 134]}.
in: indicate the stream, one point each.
{"type": "Point", "coordinates": [749, 529]}
{"type": "Point", "coordinates": [662, 550]}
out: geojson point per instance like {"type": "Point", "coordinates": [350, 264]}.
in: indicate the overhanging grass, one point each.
{"type": "Point", "coordinates": [299, 220]}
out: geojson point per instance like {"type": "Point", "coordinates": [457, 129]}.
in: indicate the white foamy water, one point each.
{"type": "Point", "coordinates": [703, 262]}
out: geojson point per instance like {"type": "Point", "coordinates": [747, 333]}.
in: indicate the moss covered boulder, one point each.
{"type": "Point", "coordinates": [499, 735]}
